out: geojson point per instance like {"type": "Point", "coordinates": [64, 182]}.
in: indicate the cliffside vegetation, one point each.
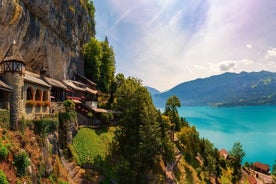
{"type": "Point", "coordinates": [100, 63]}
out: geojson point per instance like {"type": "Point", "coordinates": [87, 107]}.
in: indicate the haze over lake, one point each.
{"type": "Point", "coordinates": [253, 126]}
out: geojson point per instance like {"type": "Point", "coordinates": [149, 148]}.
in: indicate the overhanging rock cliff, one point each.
{"type": "Point", "coordinates": [48, 33]}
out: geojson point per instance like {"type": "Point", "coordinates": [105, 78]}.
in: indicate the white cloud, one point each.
{"type": "Point", "coordinates": [166, 42]}
{"type": "Point", "coordinates": [249, 46]}
{"type": "Point", "coordinates": [227, 66]}
{"type": "Point", "coordinates": [271, 53]}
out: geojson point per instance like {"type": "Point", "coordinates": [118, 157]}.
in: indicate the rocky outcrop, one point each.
{"type": "Point", "coordinates": [47, 32]}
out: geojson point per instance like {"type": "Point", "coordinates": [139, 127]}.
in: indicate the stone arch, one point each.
{"type": "Point", "coordinates": [30, 93]}
{"type": "Point", "coordinates": [38, 95]}
{"type": "Point", "coordinates": [45, 95]}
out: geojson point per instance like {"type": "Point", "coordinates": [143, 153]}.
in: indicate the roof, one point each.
{"type": "Point", "coordinates": [4, 86]}
{"type": "Point", "coordinates": [13, 54]}
{"type": "Point", "coordinates": [35, 79]}
{"type": "Point", "coordinates": [88, 90]}
{"type": "Point", "coordinates": [54, 82]}
{"type": "Point", "coordinates": [86, 79]}
{"type": "Point", "coordinates": [100, 110]}
{"type": "Point", "coordinates": [261, 166]}
{"type": "Point", "coordinates": [223, 153]}
{"type": "Point", "coordinates": [71, 84]}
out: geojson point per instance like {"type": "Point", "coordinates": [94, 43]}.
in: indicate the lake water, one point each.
{"type": "Point", "coordinates": [253, 126]}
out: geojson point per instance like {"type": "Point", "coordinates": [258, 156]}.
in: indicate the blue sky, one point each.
{"type": "Point", "coordinates": [166, 42]}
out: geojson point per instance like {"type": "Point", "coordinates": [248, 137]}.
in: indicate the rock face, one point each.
{"type": "Point", "coordinates": [48, 33]}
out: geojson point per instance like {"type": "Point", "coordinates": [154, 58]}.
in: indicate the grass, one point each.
{"type": "Point", "coordinates": [90, 144]}
{"type": "Point", "coordinates": [4, 118]}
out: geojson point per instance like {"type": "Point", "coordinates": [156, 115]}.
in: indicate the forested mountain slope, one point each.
{"type": "Point", "coordinates": [254, 88]}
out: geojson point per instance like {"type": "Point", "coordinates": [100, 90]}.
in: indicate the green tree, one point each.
{"type": "Point", "coordinates": [107, 68]}
{"type": "Point", "coordinates": [167, 144]}
{"type": "Point", "coordinates": [139, 138]}
{"type": "Point", "coordinates": [189, 140]}
{"type": "Point", "coordinates": [100, 64]}
{"type": "Point", "coordinates": [171, 110]}
{"type": "Point", "coordinates": [93, 54]}
{"type": "Point", "coordinates": [236, 155]}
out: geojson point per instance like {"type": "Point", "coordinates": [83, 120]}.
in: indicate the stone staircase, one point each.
{"type": "Point", "coordinates": [74, 172]}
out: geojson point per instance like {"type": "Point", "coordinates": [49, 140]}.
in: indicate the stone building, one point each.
{"type": "Point", "coordinates": [28, 95]}
{"type": "Point", "coordinates": [22, 92]}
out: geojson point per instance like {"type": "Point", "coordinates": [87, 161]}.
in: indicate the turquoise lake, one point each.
{"type": "Point", "coordinates": [253, 126]}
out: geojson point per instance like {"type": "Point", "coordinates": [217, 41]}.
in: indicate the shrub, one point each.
{"type": "Point", "coordinates": [43, 127]}
{"type": "Point", "coordinates": [106, 117]}
{"type": "Point", "coordinates": [74, 154]}
{"type": "Point", "coordinates": [3, 152]}
{"type": "Point", "coordinates": [90, 115]}
{"type": "Point", "coordinates": [3, 178]}
{"type": "Point", "coordinates": [21, 162]}
{"type": "Point", "coordinates": [69, 105]}
{"type": "Point", "coordinates": [23, 123]}
{"type": "Point", "coordinates": [4, 118]}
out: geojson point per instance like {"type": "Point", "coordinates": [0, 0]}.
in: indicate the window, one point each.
{"type": "Point", "coordinates": [30, 93]}
{"type": "Point", "coordinates": [38, 95]}
{"type": "Point", "coordinates": [45, 95]}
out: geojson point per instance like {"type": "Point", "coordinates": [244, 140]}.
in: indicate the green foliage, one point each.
{"type": "Point", "coordinates": [4, 118]}
{"type": "Point", "coordinates": [167, 144]}
{"type": "Point", "coordinates": [89, 144]}
{"type": "Point", "coordinates": [90, 115]}
{"type": "Point", "coordinates": [21, 161]}
{"type": "Point", "coordinates": [99, 63]}
{"type": "Point", "coordinates": [69, 105]}
{"type": "Point", "coordinates": [22, 125]}
{"type": "Point", "coordinates": [93, 56]}
{"type": "Point", "coordinates": [3, 152]}
{"type": "Point", "coordinates": [236, 155]}
{"type": "Point", "coordinates": [139, 139]}
{"type": "Point", "coordinates": [106, 117]}
{"type": "Point", "coordinates": [189, 140]}
{"type": "Point", "coordinates": [3, 178]}
{"type": "Point", "coordinates": [171, 110]}
{"type": "Point", "coordinates": [43, 127]}
{"type": "Point", "coordinates": [74, 154]}
{"type": "Point", "coordinates": [91, 10]}
{"type": "Point", "coordinates": [107, 68]}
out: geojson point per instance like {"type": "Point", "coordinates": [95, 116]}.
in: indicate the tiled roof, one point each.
{"type": "Point", "coordinates": [261, 166]}
{"type": "Point", "coordinates": [54, 82]}
{"type": "Point", "coordinates": [35, 78]}
{"type": "Point", "coordinates": [71, 84]}
{"type": "Point", "coordinates": [4, 86]}
{"type": "Point", "coordinates": [91, 91]}
{"type": "Point", "coordinates": [86, 79]}
{"type": "Point", "coordinates": [13, 54]}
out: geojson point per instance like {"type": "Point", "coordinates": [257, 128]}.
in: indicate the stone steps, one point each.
{"type": "Point", "coordinates": [74, 172]}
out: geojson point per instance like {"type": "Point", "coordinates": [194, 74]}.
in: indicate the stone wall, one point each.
{"type": "Point", "coordinates": [16, 82]}
{"type": "Point", "coordinates": [47, 32]}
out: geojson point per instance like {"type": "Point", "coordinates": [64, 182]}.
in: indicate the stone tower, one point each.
{"type": "Point", "coordinates": [13, 68]}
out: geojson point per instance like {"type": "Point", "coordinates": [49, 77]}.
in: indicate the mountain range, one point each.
{"type": "Point", "coordinates": [228, 89]}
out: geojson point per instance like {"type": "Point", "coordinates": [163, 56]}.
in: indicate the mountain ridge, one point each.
{"type": "Point", "coordinates": [227, 89]}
